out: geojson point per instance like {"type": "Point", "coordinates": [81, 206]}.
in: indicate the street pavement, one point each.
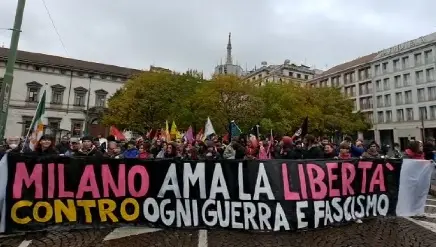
{"type": "Point", "coordinates": [386, 232]}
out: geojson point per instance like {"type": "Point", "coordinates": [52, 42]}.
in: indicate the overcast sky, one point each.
{"type": "Point", "coordinates": [193, 33]}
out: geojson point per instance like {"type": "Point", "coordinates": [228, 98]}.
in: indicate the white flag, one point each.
{"type": "Point", "coordinates": [208, 128]}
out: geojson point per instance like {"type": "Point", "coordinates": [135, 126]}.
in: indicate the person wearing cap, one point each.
{"type": "Point", "coordinates": [88, 148]}
{"type": "Point", "coordinates": [74, 147]}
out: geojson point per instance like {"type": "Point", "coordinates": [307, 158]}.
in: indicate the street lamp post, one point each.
{"type": "Point", "coordinates": [6, 85]}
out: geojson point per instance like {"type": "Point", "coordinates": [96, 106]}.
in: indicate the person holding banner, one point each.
{"type": "Point", "coordinates": [45, 146]}
{"type": "Point", "coordinates": [414, 151]}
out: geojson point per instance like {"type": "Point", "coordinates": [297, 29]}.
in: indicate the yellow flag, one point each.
{"type": "Point", "coordinates": [167, 132]}
{"type": "Point", "coordinates": [174, 132]}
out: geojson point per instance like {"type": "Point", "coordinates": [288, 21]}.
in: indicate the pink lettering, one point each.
{"type": "Point", "coordinates": [288, 194]}
{"type": "Point", "coordinates": [332, 177]}
{"type": "Point", "coordinates": [348, 172]}
{"type": "Point", "coordinates": [316, 176]}
{"type": "Point", "coordinates": [88, 183]}
{"type": "Point", "coordinates": [22, 176]}
{"type": "Point", "coordinates": [364, 165]}
{"type": "Point", "coordinates": [145, 182]}
{"type": "Point", "coordinates": [302, 177]}
{"type": "Point", "coordinates": [51, 180]}
{"type": "Point", "coordinates": [378, 178]}
{"type": "Point", "coordinates": [61, 183]}
{"type": "Point", "coordinates": [108, 181]}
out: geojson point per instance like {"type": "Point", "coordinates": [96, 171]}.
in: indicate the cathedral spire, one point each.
{"type": "Point", "coordinates": [229, 50]}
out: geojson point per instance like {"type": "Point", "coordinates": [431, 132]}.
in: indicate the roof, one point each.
{"type": "Point", "coordinates": [67, 63]}
{"type": "Point", "coordinates": [347, 65]}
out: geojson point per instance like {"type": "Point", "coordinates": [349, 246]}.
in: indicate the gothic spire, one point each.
{"type": "Point", "coordinates": [229, 50]}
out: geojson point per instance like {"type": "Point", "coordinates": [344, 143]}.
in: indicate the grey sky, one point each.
{"type": "Point", "coordinates": [193, 33]}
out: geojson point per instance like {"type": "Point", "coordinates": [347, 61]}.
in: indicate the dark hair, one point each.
{"type": "Point", "coordinates": [396, 145]}
{"type": "Point", "coordinates": [110, 138]}
{"type": "Point", "coordinates": [344, 145]}
{"type": "Point", "coordinates": [348, 138]}
{"type": "Point", "coordinates": [310, 139]}
{"type": "Point", "coordinates": [414, 146]}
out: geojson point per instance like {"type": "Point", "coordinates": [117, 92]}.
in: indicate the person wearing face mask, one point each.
{"type": "Point", "coordinates": [13, 144]}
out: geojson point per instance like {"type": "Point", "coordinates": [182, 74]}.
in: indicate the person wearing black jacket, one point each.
{"type": "Point", "coordinates": [88, 148]}
{"type": "Point", "coordinates": [429, 148]}
{"type": "Point", "coordinates": [312, 151]}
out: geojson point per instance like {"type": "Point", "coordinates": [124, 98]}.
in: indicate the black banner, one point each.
{"type": "Point", "coordinates": [272, 195]}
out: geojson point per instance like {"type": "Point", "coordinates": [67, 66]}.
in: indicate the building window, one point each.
{"type": "Point", "coordinates": [377, 69]}
{"type": "Point", "coordinates": [419, 76]}
{"type": "Point", "coordinates": [380, 117]}
{"type": "Point", "coordinates": [408, 97]}
{"type": "Point", "coordinates": [396, 64]}
{"type": "Point", "coordinates": [433, 112]}
{"type": "Point", "coordinates": [100, 98]}
{"type": "Point", "coordinates": [397, 81]}
{"type": "Point", "coordinates": [79, 96]}
{"type": "Point", "coordinates": [369, 116]}
{"type": "Point", "coordinates": [386, 84]}
{"type": "Point", "coordinates": [53, 125]}
{"type": "Point", "coordinates": [429, 73]}
{"type": "Point", "coordinates": [33, 89]}
{"type": "Point", "coordinates": [409, 114]}
{"type": "Point", "coordinates": [354, 105]}
{"type": "Point", "coordinates": [379, 101]}
{"type": "Point", "coordinates": [378, 86]}
{"type": "Point", "coordinates": [405, 61]}
{"type": "Point", "coordinates": [76, 127]}
{"type": "Point", "coordinates": [431, 91]}
{"type": "Point", "coordinates": [428, 56]}
{"type": "Point", "coordinates": [298, 75]}
{"type": "Point", "coordinates": [422, 113]}
{"type": "Point", "coordinates": [25, 123]}
{"type": "Point", "coordinates": [388, 116]}
{"type": "Point", "coordinates": [291, 74]}
{"type": "Point", "coordinates": [57, 94]}
{"type": "Point", "coordinates": [406, 79]}
{"type": "Point", "coordinates": [387, 100]}
{"type": "Point", "coordinates": [400, 115]}
{"type": "Point", "coordinates": [418, 59]}
{"type": "Point", "coordinates": [306, 77]}
{"type": "Point", "coordinates": [366, 103]}
{"type": "Point", "coordinates": [399, 98]}
{"type": "Point", "coordinates": [421, 94]}
{"type": "Point", "coordinates": [385, 67]}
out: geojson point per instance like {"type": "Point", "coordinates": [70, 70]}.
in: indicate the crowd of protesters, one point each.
{"type": "Point", "coordinates": [241, 147]}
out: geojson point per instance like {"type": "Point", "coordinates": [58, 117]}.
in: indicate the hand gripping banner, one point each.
{"type": "Point", "coordinates": [270, 195]}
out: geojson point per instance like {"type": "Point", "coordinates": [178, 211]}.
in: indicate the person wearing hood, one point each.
{"type": "Point", "coordinates": [414, 151]}
{"type": "Point", "coordinates": [131, 152]}
{"type": "Point", "coordinates": [88, 148]}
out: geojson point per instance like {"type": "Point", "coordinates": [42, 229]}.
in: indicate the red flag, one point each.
{"type": "Point", "coordinates": [226, 137]}
{"type": "Point", "coordinates": [117, 133]}
{"type": "Point", "coordinates": [199, 136]}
